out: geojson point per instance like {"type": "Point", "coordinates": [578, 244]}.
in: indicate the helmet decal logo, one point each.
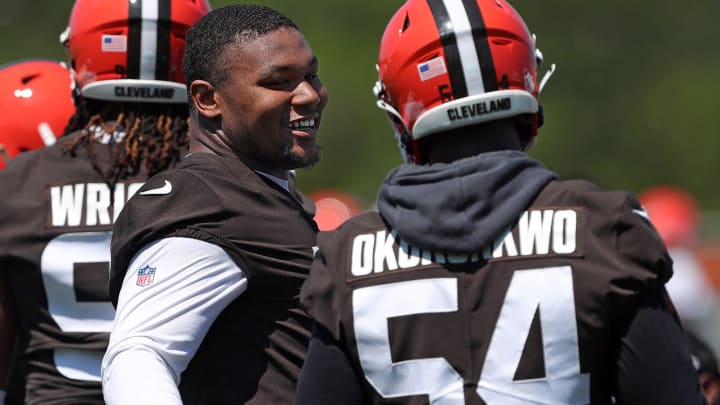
{"type": "Point", "coordinates": [432, 68]}
{"type": "Point", "coordinates": [146, 276]}
{"type": "Point", "coordinates": [445, 93]}
{"type": "Point", "coordinates": [114, 43]}
{"type": "Point", "coordinates": [470, 111]}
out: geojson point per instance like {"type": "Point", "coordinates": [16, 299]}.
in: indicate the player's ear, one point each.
{"type": "Point", "coordinates": [203, 96]}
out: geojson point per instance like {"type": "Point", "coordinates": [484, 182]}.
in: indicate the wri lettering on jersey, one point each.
{"type": "Point", "coordinates": [69, 202]}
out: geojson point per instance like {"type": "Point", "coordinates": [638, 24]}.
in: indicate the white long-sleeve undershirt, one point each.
{"type": "Point", "coordinates": [159, 326]}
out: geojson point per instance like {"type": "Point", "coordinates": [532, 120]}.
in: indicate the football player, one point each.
{"type": "Point", "coordinates": [131, 122]}
{"type": "Point", "coordinates": [483, 279]}
{"type": "Point", "coordinates": [208, 258]}
{"type": "Point", "coordinates": [37, 103]}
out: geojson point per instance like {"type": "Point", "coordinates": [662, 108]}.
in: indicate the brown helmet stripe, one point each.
{"type": "Point", "coordinates": [449, 42]}
{"type": "Point", "coordinates": [463, 34]}
{"type": "Point", "coordinates": [163, 40]}
{"type": "Point", "coordinates": [148, 53]}
{"type": "Point", "coordinates": [482, 46]}
{"type": "Point", "coordinates": [134, 39]}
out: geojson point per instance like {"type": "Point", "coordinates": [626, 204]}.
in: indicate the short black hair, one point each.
{"type": "Point", "coordinates": [209, 37]}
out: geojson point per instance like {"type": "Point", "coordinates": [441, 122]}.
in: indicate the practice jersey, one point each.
{"type": "Point", "coordinates": [56, 215]}
{"type": "Point", "coordinates": [536, 316]}
{"type": "Point", "coordinates": [255, 348]}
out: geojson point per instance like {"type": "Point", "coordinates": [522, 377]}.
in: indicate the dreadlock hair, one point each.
{"type": "Point", "coordinates": [210, 37]}
{"type": "Point", "coordinates": [155, 136]}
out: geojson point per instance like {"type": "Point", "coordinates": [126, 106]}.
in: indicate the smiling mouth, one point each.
{"type": "Point", "coordinates": [302, 125]}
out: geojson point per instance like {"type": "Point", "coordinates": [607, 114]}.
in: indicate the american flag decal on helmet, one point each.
{"type": "Point", "coordinates": [146, 276]}
{"type": "Point", "coordinates": [432, 68]}
{"type": "Point", "coordinates": [114, 43]}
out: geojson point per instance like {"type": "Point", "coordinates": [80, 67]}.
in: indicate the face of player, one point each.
{"type": "Point", "coordinates": [273, 101]}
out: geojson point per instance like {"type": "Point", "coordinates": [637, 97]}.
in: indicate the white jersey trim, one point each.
{"type": "Point", "coordinates": [284, 183]}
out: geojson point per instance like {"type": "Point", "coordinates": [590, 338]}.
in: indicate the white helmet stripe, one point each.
{"type": "Point", "coordinates": [148, 39]}
{"type": "Point", "coordinates": [466, 46]}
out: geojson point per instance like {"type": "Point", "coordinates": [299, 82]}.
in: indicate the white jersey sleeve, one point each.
{"type": "Point", "coordinates": [173, 290]}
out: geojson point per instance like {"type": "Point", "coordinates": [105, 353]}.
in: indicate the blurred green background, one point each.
{"type": "Point", "coordinates": [633, 102]}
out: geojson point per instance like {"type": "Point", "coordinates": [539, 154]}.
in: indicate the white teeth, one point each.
{"type": "Point", "coordinates": [303, 124]}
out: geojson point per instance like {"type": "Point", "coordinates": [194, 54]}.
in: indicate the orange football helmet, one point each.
{"type": "Point", "coordinates": [673, 211]}
{"type": "Point", "coordinates": [36, 98]}
{"type": "Point", "coordinates": [333, 207]}
{"type": "Point", "coordinates": [449, 64]}
{"type": "Point", "coordinates": [131, 50]}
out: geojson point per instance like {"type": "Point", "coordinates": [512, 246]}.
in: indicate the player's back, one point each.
{"type": "Point", "coordinates": [534, 317]}
{"type": "Point", "coordinates": [55, 246]}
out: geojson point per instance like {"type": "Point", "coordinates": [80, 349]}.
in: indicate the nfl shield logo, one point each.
{"type": "Point", "coordinates": [146, 275]}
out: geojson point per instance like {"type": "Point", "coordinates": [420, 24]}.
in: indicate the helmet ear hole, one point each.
{"type": "Point", "coordinates": [28, 78]}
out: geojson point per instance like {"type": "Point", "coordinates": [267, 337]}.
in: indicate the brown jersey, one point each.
{"type": "Point", "coordinates": [56, 215]}
{"type": "Point", "coordinates": [532, 317]}
{"type": "Point", "coordinates": [255, 348]}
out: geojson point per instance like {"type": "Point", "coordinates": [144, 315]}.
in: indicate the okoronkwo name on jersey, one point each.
{"type": "Point", "coordinates": [538, 232]}
{"type": "Point", "coordinates": [535, 314]}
